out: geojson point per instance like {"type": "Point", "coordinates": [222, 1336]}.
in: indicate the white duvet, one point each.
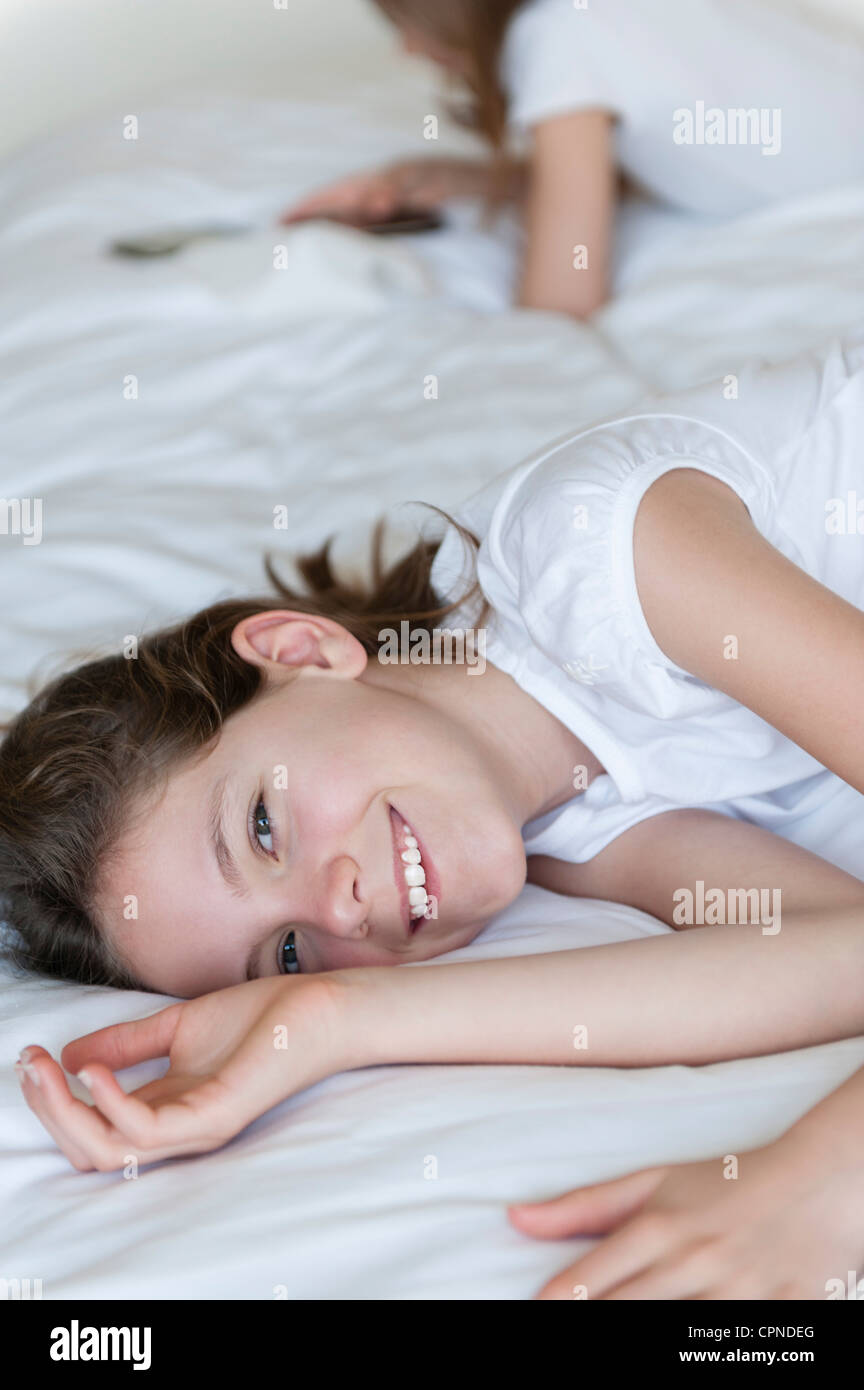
{"type": "Point", "coordinates": [161, 411]}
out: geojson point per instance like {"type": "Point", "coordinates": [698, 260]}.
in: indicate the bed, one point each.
{"type": "Point", "coordinates": [161, 411]}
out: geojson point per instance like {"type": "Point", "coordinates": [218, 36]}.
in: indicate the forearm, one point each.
{"type": "Point", "coordinates": [569, 216]}
{"type": "Point", "coordinates": [565, 264]}
{"type": "Point", "coordinates": [437, 177]}
{"type": "Point", "coordinates": [506, 178]}
{"type": "Point", "coordinates": [705, 995]}
{"type": "Point", "coordinates": [511, 179]}
{"type": "Point", "coordinates": [540, 290]}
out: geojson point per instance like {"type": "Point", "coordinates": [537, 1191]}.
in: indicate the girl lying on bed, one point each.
{"type": "Point", "coordinates": [713, 108]}
{"type": "Point", "coordinates": [256, 815]}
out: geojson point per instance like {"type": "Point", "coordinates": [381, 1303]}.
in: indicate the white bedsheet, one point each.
{"type": "Point", "coordinates": [327, 1196]}
{"type": "Point", "coordinates": [306, 387]}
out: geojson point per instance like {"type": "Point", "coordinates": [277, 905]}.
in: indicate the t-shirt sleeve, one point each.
{"type": "Point", "coordinates": [563, 549]}
{"type": "Point", "coordinates": [553, 63]}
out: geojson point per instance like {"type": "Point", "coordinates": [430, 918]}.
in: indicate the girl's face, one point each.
{"type": "Point", "coordinates": [296, 821]}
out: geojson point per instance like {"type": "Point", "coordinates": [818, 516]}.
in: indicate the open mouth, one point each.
{"type": "Point", "coordinates": [413, 872]}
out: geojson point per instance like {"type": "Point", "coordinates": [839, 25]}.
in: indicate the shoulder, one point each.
{"type": "Point", "coordinates": [692, 537]}
{"type": "Point", "coordinates": [562, 544]}
{"type": "Point", "coordinates": [583, 494]}
{"type": "Point", "coordinates": [675, 513]}
{"type": "Point", "coordinates": [554, 61]}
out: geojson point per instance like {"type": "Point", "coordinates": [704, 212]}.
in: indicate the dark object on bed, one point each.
{"type": "Point", "coordinates": [164, 241]}
{"type": "Point", "coordinates": [402, 222]}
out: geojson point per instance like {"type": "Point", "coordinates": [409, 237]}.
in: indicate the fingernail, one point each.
{"type": "Point", "coordinates": [29, 1071]}
{"type": "Point", "coordinates": [84, 1076]}
{"type": "Point", "coordinates": [24, 1054]}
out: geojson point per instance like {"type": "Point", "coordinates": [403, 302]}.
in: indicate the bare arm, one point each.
{"type": "Point", "coordinates": [703, 996]}
{"type": "Point", "coordinates": [791, 979]}
{"type": "Point", "coordinates": [432, 180]}
{"type": "Point", "coordinates": [704, 572]}
{"type": "Point", "coordinates": [657, 863]}
{"type": "Point", "coordinates": [569, 213]}
{"type": "Point", "coordinates": [697, 996]}
{"type": "Point", "coordinates": [375, 194]}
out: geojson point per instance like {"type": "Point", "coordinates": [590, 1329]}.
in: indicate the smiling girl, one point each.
{"type": "Point", "coordinates": [675, 655]}
{"type": "Point", "coordinates": [713, 107]}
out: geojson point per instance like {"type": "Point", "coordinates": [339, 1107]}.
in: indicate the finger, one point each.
{"type": "Point", "coordinates": [353, 213]}
{"type": "Point", "coordinates": [70, 1122]}
{"type": "Point", "coordinates": [197, 1124]}
{"type": "Point", "coordinates": [382, 202]}
{"type": "Point", "coordinates": [425, 195]}
{"type": "Point", "coordinates": [310, 207]}
{"type": "Point", "coordinates": [123, 1044]}
{"type": "Point", "coordinates": [587, 1210]}
{"type": "Point", "coordinates": [32, 1082]}
{"type": "Point", "coordinates": [128, 1112]}
{"type": "Point", "coordinates": [685, 1274]}
{"type": "Point", "coordinates": [620, 1256]}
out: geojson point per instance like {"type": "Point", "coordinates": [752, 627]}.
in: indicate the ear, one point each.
{"type": "Point", "coordinates": [281, 640]}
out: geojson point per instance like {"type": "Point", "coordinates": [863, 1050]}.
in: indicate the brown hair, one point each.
{"type": "Point", "coordinates": [475, 29]}
{"type": "Point", "coordinates": [96, 738]}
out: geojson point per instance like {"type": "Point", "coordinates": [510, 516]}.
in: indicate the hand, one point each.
{"type": "Point", "coordinates": [782, 1229]}
{"type": "Point", "coordinates": [374, 196]}
{"type": "Point", "coordinates": [233, 1055]}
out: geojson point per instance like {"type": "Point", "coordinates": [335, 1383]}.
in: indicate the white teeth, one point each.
{"type": "Point", "coordinates": [415, 876]}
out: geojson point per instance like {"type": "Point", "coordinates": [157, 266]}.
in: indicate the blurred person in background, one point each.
{"type": "Point", "coordinates": [713, 108]}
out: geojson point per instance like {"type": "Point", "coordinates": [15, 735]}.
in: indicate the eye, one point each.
{"type": "Point", "coordinates": [288, 962]}
{"type": "Point", "coordinates": [261, 827]}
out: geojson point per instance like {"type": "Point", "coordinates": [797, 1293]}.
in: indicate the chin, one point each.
{"type": "Point", "coordinates": [471, 933]}
{"type": "Point", "coordinates": [501, 897]}
{"type": "Point", "coordinates": [509, 874]}
{"type": "Point", "coordinates": [491, 911]}
{"type": "Point", "coordinates": [460, 939]}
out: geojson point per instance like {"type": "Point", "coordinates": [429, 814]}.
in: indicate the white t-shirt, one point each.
{"type": "Point", "coordinates": [556, 563]}
{"type": "Point", "coordinates": [722, 105]}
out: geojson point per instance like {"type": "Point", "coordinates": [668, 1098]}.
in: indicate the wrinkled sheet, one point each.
{"type": "Point", "coordinates": [161, 411]}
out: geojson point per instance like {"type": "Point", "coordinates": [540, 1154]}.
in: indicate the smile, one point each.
{"type": "Point", "coordinates": [410, 872]}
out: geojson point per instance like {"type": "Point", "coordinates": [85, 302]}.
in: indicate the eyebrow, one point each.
{"type": "Point", "coordinates": [224, 858]}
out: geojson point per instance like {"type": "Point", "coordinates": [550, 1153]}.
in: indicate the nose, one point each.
{"type": "Point", "coordinates": [339, 908]}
